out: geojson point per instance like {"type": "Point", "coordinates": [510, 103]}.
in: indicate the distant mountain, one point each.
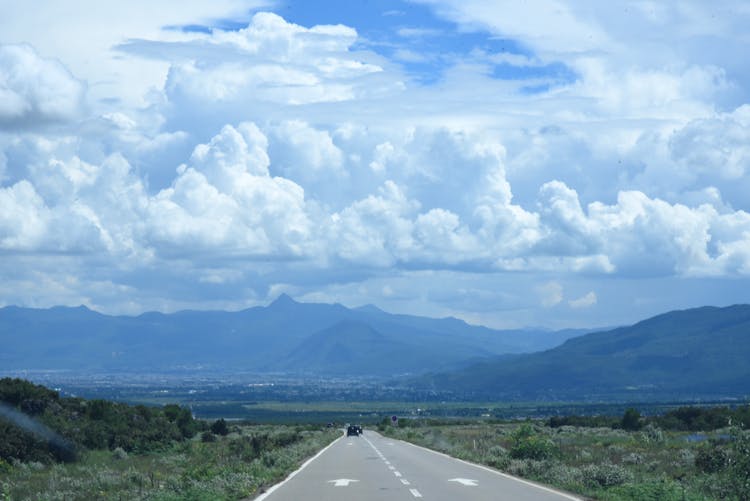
{"type": "Point", "coordinates": [354, 347]}
{"type": "Point", "coordinates": [702, 352]}
{"type": "Point", "coordinates": [285, 336]}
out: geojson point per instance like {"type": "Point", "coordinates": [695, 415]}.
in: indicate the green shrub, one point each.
{"type": "Point", "coordinates": [631, 420]}
{"type": "Point", "coordinates": [650, 491]}
{"type": "Point", "coordinates": [219, 427]}
{"type": "Point", "coordinates": [529, 445]}
{"type": "Point", "coordinates": [605, 475]}
{"type": "Point", "coordinates": [739, 469]}
{"type": "Point", "coordinates": [711, 459]}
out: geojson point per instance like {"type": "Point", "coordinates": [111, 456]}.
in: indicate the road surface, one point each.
{"type": "Point", "coordinates": [373, 468]}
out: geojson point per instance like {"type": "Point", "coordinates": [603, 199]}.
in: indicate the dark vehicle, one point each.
{"type": "Point", "coordinates": [359, 429]}
{"type": "Point", "coordinates": [352, 430]}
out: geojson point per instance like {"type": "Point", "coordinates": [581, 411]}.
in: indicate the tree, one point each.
{"type": "Point", "coordinates": [631, 420]}
{"type": "Point", "coordinates": [219, 427]}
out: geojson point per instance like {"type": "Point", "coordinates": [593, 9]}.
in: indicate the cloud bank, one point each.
{"type": "Point", "coordinates": [279, 157]}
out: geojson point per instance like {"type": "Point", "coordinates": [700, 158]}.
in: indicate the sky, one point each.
{"type": "Point", "coordinates": [548, 163]}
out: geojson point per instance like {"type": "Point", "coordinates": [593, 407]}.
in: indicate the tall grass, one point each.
{"type": "Point", "coordinates": [231, 467]}
{"type": "Point", "coordinates": [599, 463]}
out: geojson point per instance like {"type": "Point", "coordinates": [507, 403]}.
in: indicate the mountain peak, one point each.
{"type": "Point", "coordinates": [283, 299]}
{"type": "Point", "coordinates": [369, 308]}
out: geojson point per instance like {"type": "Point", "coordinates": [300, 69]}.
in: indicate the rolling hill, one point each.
{"type": "Point", "coordinates": [694, 353]}
{"type": "Point", "coordinates": [285, 336]}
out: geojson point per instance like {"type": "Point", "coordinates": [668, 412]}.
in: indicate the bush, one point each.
{"type": "Point", "coordinates": [219, 427]}
{"type": "Point", "coordinates": [605, 475]}
{"type": "Point", "coordinates": [631, 420]}
{"type": "Point", "coordinates": [711, 459]}
{"type": "Point", "coordinates": [497, 457]}
{"type": "Point", "coordinates": [651, 491]}
{"type": "Point", "coordinates": [739, 470]}
{"type": "Point", "coordinates": [652, 434]}
{"type": "Point", "coordinates": [529, 445]}
{"type": "Point", "coordinates": [207, 436]}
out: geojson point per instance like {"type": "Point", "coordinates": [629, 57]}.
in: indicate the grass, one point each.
{"type": "Point", "coordinates": [236, 466]}
{"type": "Point", "coordinates": [598, 463]}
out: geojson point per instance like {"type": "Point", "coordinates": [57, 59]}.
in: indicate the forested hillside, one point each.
{"type": "Point", "coordinates": [36, 424]}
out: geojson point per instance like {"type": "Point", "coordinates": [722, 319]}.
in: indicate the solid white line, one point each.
{"type": "Point", "coordinates": [415, 493]}
{"type": "Point", "coordinates": [485, 468]}
{"type": "Point", "coordinates": [292, 474]}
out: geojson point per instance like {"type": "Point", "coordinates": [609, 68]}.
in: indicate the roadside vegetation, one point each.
{"type": "Point", "coordinates": [78, 449]}
{"type": "Point", "coordinates": [687, 454]}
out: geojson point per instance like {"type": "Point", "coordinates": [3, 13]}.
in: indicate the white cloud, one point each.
{"type": "Point", "coordinates": [282, 156]}
{"type": "Point", "coordinates": [554, 26]}
{"type": "Point", "coordinates": [225, 201]}
{"type": "Point", "coordinates": [717, 146]}
{"type": "Point", "coordinates": [271, 60]}
{"type": "Point", "coordinates": [81, 34]}
{"type": "Point", "coordinates": [22, 217]}
{"type": "Point", "coordinates": [35, 91]}
{"type": "Point", "coordinates": [307, 156]}
{"type": "Point", "coordinates": [550, 294]}
{"type": "Point", "coordinates": [586, 301]}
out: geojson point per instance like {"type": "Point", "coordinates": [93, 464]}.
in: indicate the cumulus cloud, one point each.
{"type": "Point", "coordinates": [270, 61]}
{"type": "Point", "coordinates": [716, 146]}
{"type": "Point", "coordinates": [224, 199]}
{"type": "Point", "coordinates": [35, 91]}
{"type": "Point", "coordinates": [22, 217]}
{"type": "Point", "coordinates": [283, 157]}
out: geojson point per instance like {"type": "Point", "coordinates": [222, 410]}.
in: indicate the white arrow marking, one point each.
{"type": "Point", "coordinates": [464, 481]}
{"type": "Point", "coordinates": [342, 482]}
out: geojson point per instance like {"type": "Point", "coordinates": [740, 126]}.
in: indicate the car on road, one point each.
{"type": "Point", "coordinates": [352, 430]}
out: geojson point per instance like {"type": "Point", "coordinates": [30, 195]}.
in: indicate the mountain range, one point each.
{"type": "Point", "coordinates": [284, 337]}
{"type": "Point", "coordinates": [696, 353]}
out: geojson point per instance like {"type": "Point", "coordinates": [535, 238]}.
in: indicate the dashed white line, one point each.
{"type": "Point", "coordinates": [397, 473]}
{"type": "Point", "coordinates": [415, 493]}
{"type": "Point", "coordinates": [391, 467]}
{"type": "Point", "coordinates": [405, 482]}
{"type": "Point", "coordinates": [485, 468]}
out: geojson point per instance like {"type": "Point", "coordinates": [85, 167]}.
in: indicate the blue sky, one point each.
{"type": "Point", "coordinates": [555, 164]}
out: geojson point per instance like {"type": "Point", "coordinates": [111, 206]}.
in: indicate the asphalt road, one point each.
{"type": "Point", "coordinates": [372, 467]}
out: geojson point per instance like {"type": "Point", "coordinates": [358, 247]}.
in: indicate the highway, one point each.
{"type": "Point", "coordinates": [372, 468]}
